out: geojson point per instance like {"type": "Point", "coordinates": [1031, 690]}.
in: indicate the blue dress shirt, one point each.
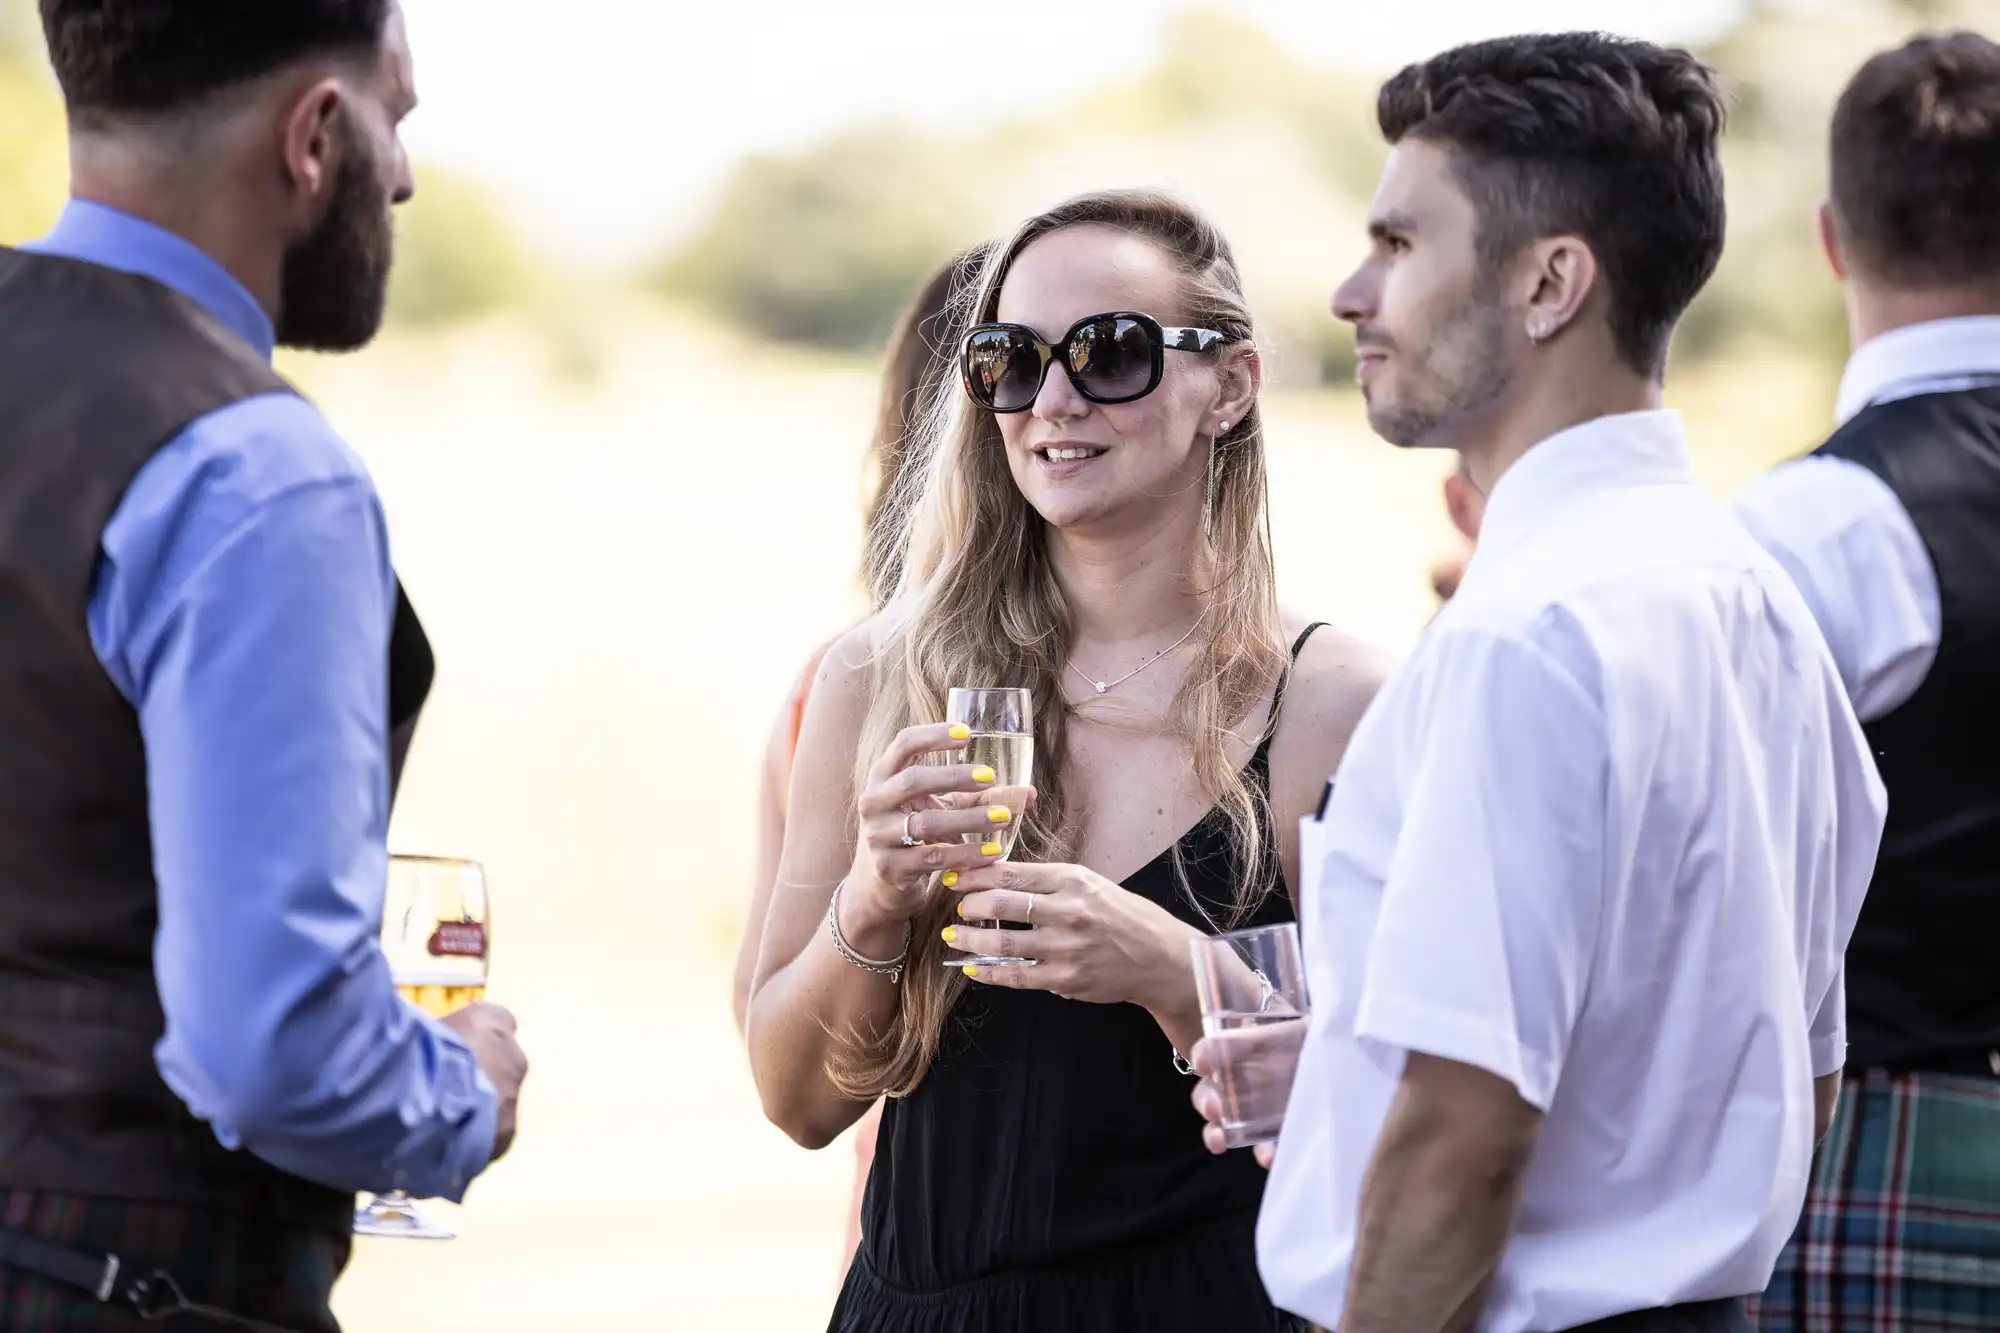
{"type": "Point", "coordinates": [243, 603]}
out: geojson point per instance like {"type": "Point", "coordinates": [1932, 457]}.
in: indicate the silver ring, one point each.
{"type": "Point", "coordinates": [909, 839]}
{"type": "Point", "coordinates": [1031, 910]}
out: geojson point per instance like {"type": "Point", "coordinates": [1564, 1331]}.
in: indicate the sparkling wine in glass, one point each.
{"type": "Point", "coordinates": [435, 932]}
{"type": "Point", "coordinates": [1002, 722]}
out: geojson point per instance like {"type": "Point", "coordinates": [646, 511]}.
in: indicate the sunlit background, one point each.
{"type": "Point", "coordinates": [618, 420]}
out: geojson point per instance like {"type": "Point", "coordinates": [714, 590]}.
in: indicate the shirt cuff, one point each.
{"type": "Point", "coordinates": [472, 1151]}
{"type": "Point", "coordinates": [1414, 1025]}
{"type": "Point", "coordinates": [459, 1139]}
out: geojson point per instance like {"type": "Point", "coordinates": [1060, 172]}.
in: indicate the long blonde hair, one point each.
{"type": "Point", "coordinates": [978, 601]}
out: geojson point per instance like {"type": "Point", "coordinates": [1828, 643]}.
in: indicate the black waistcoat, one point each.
{"type": "Point", "coordinates": [1923, 970]}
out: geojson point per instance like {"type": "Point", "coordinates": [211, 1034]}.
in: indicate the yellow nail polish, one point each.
{"type": "Point", "coordinates": [950, 934]}
{"type": "Point", "coordinates": [998, 814]}
{"type": "Point", "coordinates": [972, 971]}
{"type": "Point", "coordinates": [961, 909]}
{"type": "Point", "coordinates": [950, 879]}
{"type": "Point", "coordinates": [960, 732]}
{"type": "Point", "coordinates": [990, 849]}
{"type": "Point", "coordinates": [982, 774]}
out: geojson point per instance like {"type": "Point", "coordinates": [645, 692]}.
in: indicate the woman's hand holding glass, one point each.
{"type": "Point", "coordinates": [1091, 939]}
{"type": "Point", "coordinates": [915, 817]}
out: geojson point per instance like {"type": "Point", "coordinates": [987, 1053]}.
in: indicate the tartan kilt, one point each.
{"type": "Point", "coordinates": [1901, 1228]}
{"type": "Point", "coordinates": [282, 1273]}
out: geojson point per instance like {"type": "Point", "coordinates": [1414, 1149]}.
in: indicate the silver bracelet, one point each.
{"type": "Point", "coordinates": [1266, 993]}
{"type": "Point", "coordinates": [892, 968]}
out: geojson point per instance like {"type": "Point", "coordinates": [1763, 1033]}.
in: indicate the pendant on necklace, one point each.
{"type": "Point", "coordinates": [1101, 686]}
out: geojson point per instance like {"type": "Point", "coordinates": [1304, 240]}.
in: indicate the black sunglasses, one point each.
{"type": "Point", "coordinates": [1111, 358]}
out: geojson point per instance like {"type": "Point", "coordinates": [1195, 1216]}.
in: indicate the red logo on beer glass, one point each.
{"type": "Point", "coordinates": [458, 939]}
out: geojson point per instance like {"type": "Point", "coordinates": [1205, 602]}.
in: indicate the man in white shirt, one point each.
{"type": "Point", "coordinates": [1892, 533]}
{"type": "Point", "coordinates": [1575, 910]}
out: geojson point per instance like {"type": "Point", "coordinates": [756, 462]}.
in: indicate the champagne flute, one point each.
{"type": "Point", "coordinates": [434, 932]}
{"type": "Point", "coordinates": [1002, 723]}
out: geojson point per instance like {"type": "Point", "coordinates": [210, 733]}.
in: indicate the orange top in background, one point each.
{"type": "Point", "coordinates": [799, 696]}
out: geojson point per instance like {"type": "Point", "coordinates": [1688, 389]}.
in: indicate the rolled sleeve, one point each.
{"type": "Point", "coordinates": [1490, 908]}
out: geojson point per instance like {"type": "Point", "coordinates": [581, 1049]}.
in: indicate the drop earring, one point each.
{"type": "Point", "coordinates": [1208, 503]}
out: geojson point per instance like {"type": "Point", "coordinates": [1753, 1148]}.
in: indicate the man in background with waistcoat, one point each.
{"type": "Point", "coordinates": [1892, 532]}
{"type": "Point", "coordinates": [208, 680]}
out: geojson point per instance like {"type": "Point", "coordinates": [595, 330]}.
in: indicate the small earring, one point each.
{"type": "Point", "coordinates": [1222, 429]}
{"type": "Point", "coordinates": [1537, 333]}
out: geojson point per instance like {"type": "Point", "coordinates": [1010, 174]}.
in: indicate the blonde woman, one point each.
{"type": "Point", "coordinates": [1090, 523]}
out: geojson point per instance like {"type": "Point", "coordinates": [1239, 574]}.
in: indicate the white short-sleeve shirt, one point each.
{"type": "Point", "coordinates": [1604, 835]}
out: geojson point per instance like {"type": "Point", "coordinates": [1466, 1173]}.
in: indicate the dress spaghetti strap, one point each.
{"type": "Point", "coordinates": [1263, 755]}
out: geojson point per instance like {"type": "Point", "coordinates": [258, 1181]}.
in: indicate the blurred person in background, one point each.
{"type": "Point", "coordinates": [1465, 506]}
{"type": "Point", "coordinates": [1093, 526]}
{"type": "Point", "coordinates": [1577, 902]}
{"type": "Point", "coordinates": [923, 360]}
{"type": "Point", "coordinates": [1892, 532]}
{"type": "Point", "coordinates": [208, 681]}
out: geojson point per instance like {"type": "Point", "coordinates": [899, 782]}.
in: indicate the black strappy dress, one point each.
{"type": "Point", "coordinates": [1048, 1174]}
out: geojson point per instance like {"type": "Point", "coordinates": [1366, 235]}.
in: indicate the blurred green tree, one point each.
{"type": "Point", "coordinates": [825, 247]}
{"type": "Point", "coordinates": [1784, 67]}
{"type": "Point", "coordinates": [456, 256]}
{"type": "Point", "coordinates": [822, 246]}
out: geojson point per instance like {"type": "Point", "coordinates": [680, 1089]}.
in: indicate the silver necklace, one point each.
{"type": "Point", "coordinates": [1102, 686]}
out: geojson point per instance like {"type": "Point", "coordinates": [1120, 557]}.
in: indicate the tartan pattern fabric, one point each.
{"type": "Point", "coordinates": [280, 1273]}
{"type": "Point", "coordinates": [1901, 1228]}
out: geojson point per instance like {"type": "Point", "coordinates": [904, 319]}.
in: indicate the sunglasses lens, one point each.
{"type": "Point", "coordinates": [1112, 358]}
{"type": "Point", "coordinates": [1003, 369]}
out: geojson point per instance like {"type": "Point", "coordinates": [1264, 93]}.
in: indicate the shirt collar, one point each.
{"type": "Point", "coordinates": [1889, 364]}
{"type": "Point", "coordinates": [1619, 452]}
{"type": "Point", "coordinates": [99, 234]}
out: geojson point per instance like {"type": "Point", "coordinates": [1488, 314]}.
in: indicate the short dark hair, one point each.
{"type": "Point", "coordinates": [1583, 134]}
{"type": "Point", "coordinates": [143, 57]}
{"type": "Point", "coordinates": [1916, 163]}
